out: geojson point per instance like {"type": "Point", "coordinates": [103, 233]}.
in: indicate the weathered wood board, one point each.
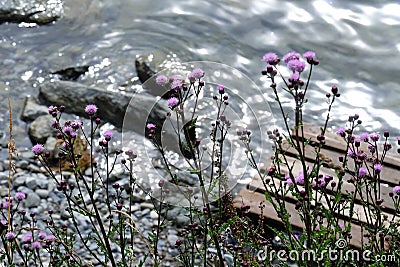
{"type": "Point", "coordinates": [254, 194]}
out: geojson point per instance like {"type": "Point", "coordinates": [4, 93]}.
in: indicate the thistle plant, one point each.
{"type": "Point", "coordinates": [331, 196]}
{"type": "Point", "coordinates": [184, 122]}
{"type": "Point", "coordinates": [322, 197]}
{"type": "Point", "coordinates": [112, 228]}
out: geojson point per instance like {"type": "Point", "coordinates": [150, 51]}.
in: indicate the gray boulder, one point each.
{"type": "Point", "coordinates": [112, 106]}
{"type": "Point", "coordinates": [40, 129]}
{"type": "Point", "coordinates": [32, 109]}
{"type": "Point", "coordinates": [30, 11]}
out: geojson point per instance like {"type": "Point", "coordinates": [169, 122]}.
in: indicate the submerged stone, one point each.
{"type": "Point", "coordinates": [30, 11]}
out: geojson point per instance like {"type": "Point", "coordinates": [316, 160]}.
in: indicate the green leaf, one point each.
{"type": "Point", "coordinates": [191, 171]}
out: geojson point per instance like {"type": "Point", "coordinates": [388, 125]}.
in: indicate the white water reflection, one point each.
{"type": "Point", "coordinates": [358, 42]}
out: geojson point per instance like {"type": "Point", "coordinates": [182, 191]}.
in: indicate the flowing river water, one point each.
{"type": "Point", "coordinates": [357, 42]}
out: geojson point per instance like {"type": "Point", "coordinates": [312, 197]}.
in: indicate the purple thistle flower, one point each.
{"type": "Point", "coordinates": [295, 77]}
{"type": "Point", "coordinates": [20, 196]}
{"type": "Point", "coordinates": [196, 74]}
{"type": "Point", "coordinates": [296, 65]}
{"type": "Point", "coordinates": [375, 136]}
{"type": "Point", "coordinates": [36, 245]}
{"type": "Point", "coordinates": [27, 237]}
{"type": "Point", "coordinates": [91, 109]}
{"type": "Point", "coordinates": [341, 131]}
{"type": "Point", "coordinates": [291, 56]}
{"type": "Point", "coordinates": [396, 190]}
{"type": "Point", "coordinates": [221, 89]}
{"type": "Point", "coordinates": [107, 135]}
{"type": "Point", "coordinates": [10, 236]}
{"type": "Point", "coordinates": [42, 235]}
{"type": "Point", "coordinates": [378, 168]}
{"type": "Point", "coordinates": [364, 137]}
{"type": "Point", "coordinates": [309, 55]}
{"type": "Point", "coordinates": [67, 130]}
{"type": "Point", "coordinates": [76, 124]}
{"type": "Point", "coordinates": [321, 182]}
{"type": "Point", "coordinates": [362, 172]}
{"type": "Point", "coordinates": [37, 149]}
{"type": "Point", "coordinates": [54, 124]}
{"type": "Point", "coordinates": [131, 154]}
{"type": "Point", "coordinates": [300, 178]}
{"type": "Point", "coordinates": [52, 109]}
{"type": "Point", "coordinates": [271, 58]}
{"type": "Point", "coordinates": [289, 181]}
{"type": "Point", "coordinates": [5, 205]}
{"type": "Point", "coordinates": [173, 102]}
{"type": "Point", "coordinates": [161, 80]}
{"type": "Point", "coordinates": [49, 238]}
{"type": "Point", "coordinates": [150, 126]}
{"type": "Point", "coordinates": [176, 85]}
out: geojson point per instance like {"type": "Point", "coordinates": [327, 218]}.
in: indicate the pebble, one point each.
{"type": "Point", "coordinates": [32, 200]}
{"type": "Point", "coordinates": [31, 182]}
{"type": "Point", "coordinates": [3, 191]}
{"type": "Point", "coordinates": [153, 214]}
{"type": "Point", "coordinates": [19, 181]}
{"type": "Point", "coordinates": [23, 164]}
{"type": "Point", "coordinates": [25, 190]}
{"type": "Point", "coordinates": [27, 154]}
{"type": "Point", "coordinates": [3, 175]}
{"type": "Point", "coordinates": [172, 239]}
{"type": "Point", "coordinates": [43, 193]}
{"type": "Point", "coordinates": [145, 212]}
{"type": "Point", "coordinates": [42, 196]}
{"type": "Point", "coordinates": [146, 205]}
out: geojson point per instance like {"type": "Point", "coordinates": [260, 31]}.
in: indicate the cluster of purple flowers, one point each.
{"type": "Point", "coordinates": [29, 242]}
{"type": "Point", "coordinates": [151, 128]}
{"type": "Point", "coordinates": [70, 129]}
{"type": "Point", "coordinates": [299, 179]}
{"type": "Point", "coordinates": [292, 61]}
{"type": "Point", "coordinates": [177, 83]}
{"type": "Point", "coordinates": [107, 135]}
{"type": "Point", "coordinates": [53, 110]}
{"type": "Point", "coordinates": [359, 155]}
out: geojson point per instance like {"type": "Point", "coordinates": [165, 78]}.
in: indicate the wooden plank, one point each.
{"type": "Point", "coordinates": [253, 199]}
{"type": "Point", "coordinates": [388, 175]}
{"type": "Point", "coordinates": [256, 184]}
{"type": "Point", "coordinates": [334, 147]}
{"type": "Point", "coordinates": [359, 215]}
{"type": "Point", "coordinates": [336, 143]}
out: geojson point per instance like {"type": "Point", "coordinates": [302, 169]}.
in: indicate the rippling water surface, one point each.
{"type": "Point", "coordinates": [358, 43]}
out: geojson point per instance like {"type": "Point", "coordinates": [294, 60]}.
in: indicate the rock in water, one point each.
{"type": "Point", "coordinates": [30, 11]}
{"type": "Point", "coordinates": [71, 74]}
{"type": "Point", "coordinates": [143, 70]}
{"type": "Point", "coordinates": [112, 105]}
{"type": "Point", "coordinates": [39, 130]}
{"type": "Point", "coordinates": [32, 110]}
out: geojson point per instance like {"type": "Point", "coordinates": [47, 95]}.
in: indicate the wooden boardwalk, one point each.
{"type": "Point", "coordinates": [254, 193]}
